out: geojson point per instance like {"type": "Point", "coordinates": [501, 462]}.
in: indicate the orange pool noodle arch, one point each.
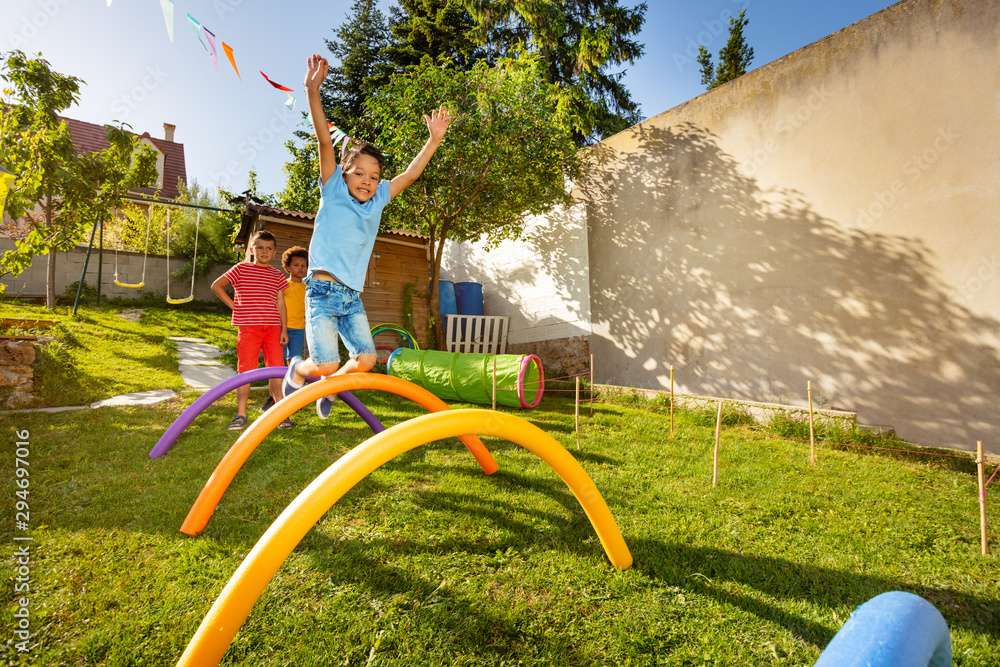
{"type": "Point", "coordinates": [231, 463]}
{"type": "Point", "coordinates": [233, 605]}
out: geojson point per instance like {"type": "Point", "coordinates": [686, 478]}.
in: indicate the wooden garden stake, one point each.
{"type": "Point", "coordinates": [591, 385]}
{"type": "Point", "coordinates": [494, 382]}
{"type": "Point", "coordinates": [812, 433]}
{"type": "Point", "coordinates": [718, 436]}
{"type": "Point", "coordinates": [671, 399]}
{"type": "Point", "coordinates": [578, 413]}
{"type": "Point", "coordinates": [980, 464]}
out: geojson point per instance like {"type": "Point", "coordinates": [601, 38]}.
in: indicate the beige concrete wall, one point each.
{"type": "Point", "coordinates": [831, 216]}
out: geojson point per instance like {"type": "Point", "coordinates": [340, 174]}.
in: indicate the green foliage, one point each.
{"type": "Point", "coordinates": [301, 191]}
{"type": "Point", "coordinates": [72, 190]}
{"type": "Point", "coordinates": [577, 41]}
{"type": "Point", "coordinates": [428, 32]}
{"type": "Point", "coordinates": [734, 58]}
{"type": "Point", "coordinates": [212, 233]}
{"type": "Point", "coordinates": [358, 66]}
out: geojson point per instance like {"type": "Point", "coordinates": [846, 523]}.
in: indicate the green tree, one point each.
{"type": "Point", "coordinates": [359, 64]}
{"type": "Point", "coordinates": [578, 42]}
{"type": "Point", "coordinates": [72, 189]}
{"type": "Point", "coordinates": [301, 191]}
{"type": "Point", "coordinates": [207, 231]}
{"type": "Point", "coordinates": [426, 32]}
{"type": "Point", "coordinates": [506, 156]}
{"type": "Point", "coordinates": [734, 58]}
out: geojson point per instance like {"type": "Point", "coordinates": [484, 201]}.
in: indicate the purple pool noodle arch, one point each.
{"type": "Point", "coordinates": [218, 391]}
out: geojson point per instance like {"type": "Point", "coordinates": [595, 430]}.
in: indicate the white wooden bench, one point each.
{"type": "Point", "coordinates": [482, 333]}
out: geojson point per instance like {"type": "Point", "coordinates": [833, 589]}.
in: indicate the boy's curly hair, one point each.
{"type": "Point", "coordinates": [361, 148]}
{"type": "Point", "coordinates": [294, 251]}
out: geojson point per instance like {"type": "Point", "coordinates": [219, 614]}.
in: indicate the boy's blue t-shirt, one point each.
{"type": "Point", "coordinates": [344, 231]}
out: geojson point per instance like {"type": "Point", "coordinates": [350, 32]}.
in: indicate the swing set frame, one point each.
{"type": "Point", "coordinates": [151, 201]}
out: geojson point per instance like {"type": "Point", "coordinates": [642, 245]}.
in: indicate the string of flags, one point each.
{"type": "Point", "coordinates": [208, 41]}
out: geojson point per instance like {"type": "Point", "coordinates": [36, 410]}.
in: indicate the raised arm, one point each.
{"type": "Point", "coordinates": [317, 69]}
{"type": "Point", "coordinates": [437, 125]}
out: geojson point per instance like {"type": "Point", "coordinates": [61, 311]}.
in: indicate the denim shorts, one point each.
{"type": "Point", "coordinates": [333, 309]}
{"type": "Point", "coordinates": [296, 341]}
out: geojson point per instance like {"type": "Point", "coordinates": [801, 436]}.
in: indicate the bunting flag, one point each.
{"type": "Point", "coordinates": [6, 179]}
{"type": "Point", "coordinates": [210, 36]}
{"type": "Point", "coordinates": [229, 54]}
{"type": "Point", "coordinates": [290, 103]}
{"type": "Point", "coordinates": [168, 16]}
{"type": "Point", "coordinates": [197, 30]}
{"type": "Point", "coordinates": [276, 85]}
{"type": "Point", "coordinates": [109, 3]}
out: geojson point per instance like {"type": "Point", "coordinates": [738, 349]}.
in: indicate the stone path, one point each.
{"type": "Point", "coordinates": [200, 365]}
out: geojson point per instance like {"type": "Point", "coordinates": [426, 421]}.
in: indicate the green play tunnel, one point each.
{"type": "Point", "coordinates": [468, 377]}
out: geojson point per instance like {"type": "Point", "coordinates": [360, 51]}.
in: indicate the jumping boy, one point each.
{"type": "Point", "coordinates": [259, 312]}
{"type": "Point", "coordinates": [352, 197]}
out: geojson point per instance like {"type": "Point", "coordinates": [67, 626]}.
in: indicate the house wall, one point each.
{"type": "Point", "coordinates": [540, 282]}
{"type": "Point", "coordinates": [829, 217]}
{"type": "Point", "coordinates": [31, 283]}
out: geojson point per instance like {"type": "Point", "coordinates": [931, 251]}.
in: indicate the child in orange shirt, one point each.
{"type": "Point", "coordinates": [295, 261]}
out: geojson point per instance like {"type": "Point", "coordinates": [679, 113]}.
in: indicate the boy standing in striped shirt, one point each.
{"type": "Point", "coordinates": [259, 312]}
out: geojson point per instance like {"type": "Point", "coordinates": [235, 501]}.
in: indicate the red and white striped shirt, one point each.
{"type": "Point", "coordinates": [257, 290]}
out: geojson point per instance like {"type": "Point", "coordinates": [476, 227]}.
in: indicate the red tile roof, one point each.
{"type": "Point", "coordinates": [90, 138]}
{"type": "Point", "coordinates": [271, 211]}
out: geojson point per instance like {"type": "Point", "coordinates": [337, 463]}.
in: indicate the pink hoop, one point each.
{"type": "Point", "coordinates": [520, 381]}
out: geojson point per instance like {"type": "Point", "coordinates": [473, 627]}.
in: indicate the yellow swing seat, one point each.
{"type": "Point", "coordinates": [135, 286]}
{"type": "Point", "coordinates": [176, 301]}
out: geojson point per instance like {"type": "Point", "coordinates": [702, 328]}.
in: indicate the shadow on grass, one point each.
{"type": "Point", "coordinates": [712, 572]}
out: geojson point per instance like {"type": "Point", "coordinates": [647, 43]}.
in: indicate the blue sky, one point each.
{"type": "Point", "coordinates": [135, 74]}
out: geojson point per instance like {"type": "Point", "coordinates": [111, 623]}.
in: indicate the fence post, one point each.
{"type": "Point", "coordinates": [578, 413]}
{"type": "Point", "coordinates": [981, 466]}
{"type": "Point", "coordinates": [812, 433]}
{"type": "Point", "coordinates": [591, 384]}
{"type": "Point", "coordinates": [671, 398]}
{"type": "Point", "coordinates": [718, 436]}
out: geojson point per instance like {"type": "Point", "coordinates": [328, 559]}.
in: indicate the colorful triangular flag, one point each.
{"type": "Point", "coordinates": [276, 85]}
{"type": "Point", "coordinates": [210, 36]}
{"type": "Point", "coordinates": [290, 103]}
{"type": "Point", "coordinates": [229, 54]}
{"type": "Point", "coordinates": [197, 30]}
{"type": "Point", "coordinates": [168, 16]}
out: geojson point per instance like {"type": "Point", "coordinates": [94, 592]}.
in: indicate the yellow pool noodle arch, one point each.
{"type": "Point", "coordinates": [231, 463]}
{"type": "Point", "coordinates": [233, 605]}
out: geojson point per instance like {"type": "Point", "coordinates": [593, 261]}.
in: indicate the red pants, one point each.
{"type": "Point", "coordinates": [252, 340]}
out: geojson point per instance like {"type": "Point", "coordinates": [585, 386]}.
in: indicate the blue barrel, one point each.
{"type": "Point", "coordinates": [446, 299]}
{"type": "Point", "coordinates": [469, 297]}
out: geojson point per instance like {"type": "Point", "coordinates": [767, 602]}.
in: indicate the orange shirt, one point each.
{"type": "Point", "coordinates": [295, 305]}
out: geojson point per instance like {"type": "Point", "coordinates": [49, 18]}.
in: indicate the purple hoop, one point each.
{"type": "Point", "coordinates": [218, 391]}
{"type": "Point", "coordinates": [520, 381]}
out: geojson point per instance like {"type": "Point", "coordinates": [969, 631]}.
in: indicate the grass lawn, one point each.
{"type": "Point", "coordinates": [429, 562]}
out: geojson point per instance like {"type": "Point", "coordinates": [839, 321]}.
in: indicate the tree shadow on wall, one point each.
{"type": "Point", "coordinates": [750, 293]}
